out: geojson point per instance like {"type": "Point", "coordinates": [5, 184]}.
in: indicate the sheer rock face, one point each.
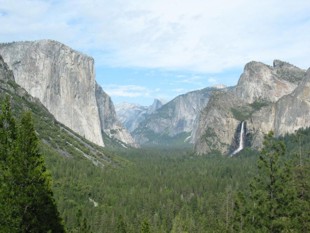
{"type": "Point", "coordinates": [216, 123]}
{"type": "Point", "coordinates": [173, 119]}
{"type": "Point", "coordinates": [260, 81]}
{"type": "Point", "coordinates": [62, 79]}
{"type": "Point", "coordinates": [293, 111]}
{"type": "Point", "coordinates": [131, 115]}
{"type": "Point", "coordinates": [109, 122]}
{"type": "Point", "coordinates": [267, 98]}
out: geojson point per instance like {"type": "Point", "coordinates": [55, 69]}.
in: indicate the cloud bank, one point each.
{"type": "Point", "coordinates": [195, 35]}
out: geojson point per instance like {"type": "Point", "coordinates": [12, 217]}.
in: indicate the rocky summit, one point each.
{"type": "Point", "coordinates": [64, 81]}
{"type": "Point", "coordinates": [131, 115]}
{"type": "Point", "coordinates": [266, 98]}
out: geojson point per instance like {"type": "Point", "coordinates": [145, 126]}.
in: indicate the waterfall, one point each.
{"type": "Point", "coordinates": [241, 139]}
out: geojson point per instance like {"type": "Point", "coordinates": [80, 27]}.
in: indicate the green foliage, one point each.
{"type": "Point", "coordinates": [121, 225]}
{"type": "Point", "coordinates": [275, 201]}
{"type": "Point", "coordinates": [8, 136]}
{"type": "Point", "coordinates": [168, 188]}
{"type": "Point", "coordinates": [145, 227]}
{"type": "Point", "coordinates": [243, 113]}
{"type": "Point", "coordinates": [164, 140]}
{"type": "Point", "coordinates": [26, 195]}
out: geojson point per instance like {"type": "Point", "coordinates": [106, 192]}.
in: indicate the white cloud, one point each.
{"type": "Point", "coordinates": [212, 80]}
{"type": "Point", "coordinates": [195, 35]}
{"type": "Point", "coordinates": [127, 91]}
{"type": "Point", "coordinates": [194, 79]}
{"type": "Point", "coordinates": [135, 91]}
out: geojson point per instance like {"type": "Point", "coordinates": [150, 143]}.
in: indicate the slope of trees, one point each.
{"type": "Point", "coordinates": [277, 199]}
{"type": "Point", "coordinates": [26, 199]}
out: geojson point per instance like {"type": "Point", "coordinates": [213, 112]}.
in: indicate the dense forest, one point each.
{"type": "Point", "coordinates": [155, 190]}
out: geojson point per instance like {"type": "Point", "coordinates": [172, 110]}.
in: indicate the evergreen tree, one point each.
{"type": "Point", "coordinates": [121, 226]}
{"type": "Point", "coordinates": [35, 199]}
{"type": "Point", "coordinates": [8, 135]}
{"type": "Point", "coordinates": [81, 224]}
{"type": "Point", "coordinates": [269, 205]}
{"type": "Point", "coordinates": [26, 194]}
{"type": "Point", "coordinates": [302, 206]}
{"type": "Point", "coordinates": [145, 227]}
{"type": "Point", "coordinates": [301, 173]}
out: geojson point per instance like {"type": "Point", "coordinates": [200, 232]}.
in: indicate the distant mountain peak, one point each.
{"type": "Point", "coordinates": [157, 104]}
{"type": "Point", "coordinates": [220, 86]}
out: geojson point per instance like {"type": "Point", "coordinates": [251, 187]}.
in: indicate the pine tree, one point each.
{"type": "Point", "coordinates": [26, 194]}
{"type": "Point", "coordinates": [35, 199]}
{"type": "Point", "coordinates": [301, 173]}
{"type": "Point", "coordinates": [121, 226]}
{"type": "Point", "coordinates": [145, 227]}
{"type": "Point", "coordinates": [81, 224]}
{"type": "Point", "coordinates": [8, 136]}
{"type": "Point", "coordinates": [270, 203]}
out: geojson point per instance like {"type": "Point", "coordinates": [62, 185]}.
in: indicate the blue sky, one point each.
{"type": "Point", "coordinates": [145, 49]}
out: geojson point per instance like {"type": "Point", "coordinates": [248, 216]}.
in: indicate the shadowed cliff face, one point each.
{"type": "Point", "coordinates": [108, 120]}
{"type": "Point", "coordinates": [62, 79]}
{"type": "Point", "coordinates": [263, 98]}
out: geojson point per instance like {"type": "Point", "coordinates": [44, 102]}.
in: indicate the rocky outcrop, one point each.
{"type": "Point", "coordinates": [173, 120]}
{"type": "Point", "coordinates": [265, 97]}
{"type": "Point", "coordinates": [216, 124]}
{"type": "Point", "coordinates": [157, 104]}
{"type": "Point", "coordinates": [131, 115]}
{"type": "Point", "coordinates": [293, 111]}
{"type": "Point", "coordinates": [110, 125]}
{"type": "Point", "coordinates": [62, 79]}
{"type": "Point", "coordinates": [260, 81]}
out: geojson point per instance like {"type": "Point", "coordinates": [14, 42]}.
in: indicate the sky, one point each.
{"type": "Point", "coordinates": [146, 49]}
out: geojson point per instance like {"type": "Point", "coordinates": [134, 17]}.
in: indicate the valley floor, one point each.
{"type": "Point", "coordinates": [168, 190]}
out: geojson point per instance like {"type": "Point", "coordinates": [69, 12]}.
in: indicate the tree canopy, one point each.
{"type": "Point", "coordinates": [26, 197]}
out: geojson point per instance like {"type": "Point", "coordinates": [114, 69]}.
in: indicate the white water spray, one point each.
{"type": "Point", "coordinates": [241, 144]}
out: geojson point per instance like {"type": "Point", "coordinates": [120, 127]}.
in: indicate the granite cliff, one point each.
{"type": "Point", "coordinates": [56, 138]}
{"type": "Point", "coordinates": [266, 98]}
{"type": "Point", "coordinates": [64, 81]}
{"type": "Point", "coordinates": [131, 115]}
{"type": "Point", "coordinates": [110, 124]}
{"type": "Point", "coordinates": [171, 124]}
